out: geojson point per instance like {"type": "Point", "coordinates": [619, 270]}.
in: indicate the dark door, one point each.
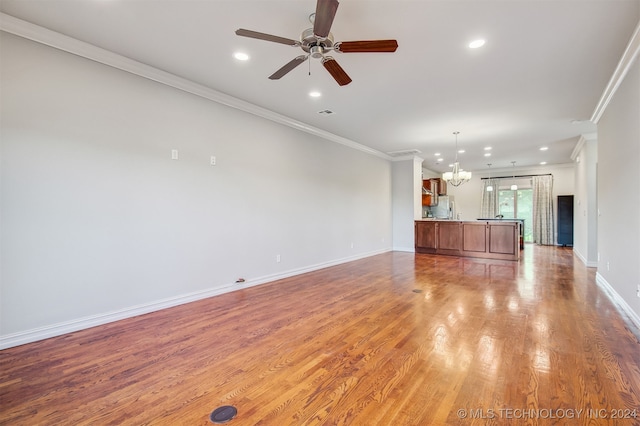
{"type": "Point", "coordinates": [565, 220]}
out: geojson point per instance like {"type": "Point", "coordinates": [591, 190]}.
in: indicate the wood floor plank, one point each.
{"type": "Point", "coordinates": [398, 338]}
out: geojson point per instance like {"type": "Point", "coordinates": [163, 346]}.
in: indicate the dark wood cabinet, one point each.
{"type": "Point", "coordinates": [426, 236]}
{"type": "Point", "coordinates": [484, 239]}
{"type": "Point", "coordinates": [427, 199]}
{"type": "Point", "coordinates": [474, 237]}
{"type": "Point", "coordinates": [437, 187]}
{"type": "Point", "coordinates": [448, 237]}
{"type": "Point", "coordinates": [442, 186]}
{"type": "Point", "coordinates": [565, 220]}
{"type": "Point", "coordinates": [503, 238]}
{"type": "Point", "coordinates": [433, 186]}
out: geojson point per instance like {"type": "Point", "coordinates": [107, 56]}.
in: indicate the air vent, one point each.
{"type": "Point", "coordinates": [326, 112]}
{"type": "Point", "coordinates": [404, 152]}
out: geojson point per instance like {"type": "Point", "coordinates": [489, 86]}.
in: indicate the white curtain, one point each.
{"type": "Point", "coordinates": [489, 207]}
{"type": "Point", "coordinates": [543, 223]}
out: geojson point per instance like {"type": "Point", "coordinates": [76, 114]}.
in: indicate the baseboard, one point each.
{"type": "Point", "coordinates": [617, 300]}
{"type": "Point", "coordinates": [587, 263]}
{"type": "Point", "coordinates": [405, 249]}
{"type": "Point", "coordinates": [59, 329]}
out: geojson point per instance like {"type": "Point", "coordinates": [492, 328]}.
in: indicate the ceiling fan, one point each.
{"type": "Point", "coordinates": [316, 41]}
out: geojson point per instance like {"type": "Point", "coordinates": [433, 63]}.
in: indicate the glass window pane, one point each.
{"type": "Point", "coordinates": [525, 211]}
{"type": "Point", "coordinates": [507, 203]}
{"type": "Point", "coordinates": [518, 205]}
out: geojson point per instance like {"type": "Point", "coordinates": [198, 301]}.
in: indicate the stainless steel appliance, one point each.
{"type": "Point", "coordinates": [445, 209]}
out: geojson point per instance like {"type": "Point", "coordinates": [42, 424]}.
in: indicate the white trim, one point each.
{"type": "Point", "coordinates": [33, 335]}
{"type": "Point", "coordinates": [62, 42]}
{"type": "Point", "coordinates": [588, 264]}
{"type": "Point", "coordinates": [405, 249]}
{"type": "Point", "coordinates": [583, 139]}
{"type": "Point", "coordinates": [408, 157]}
{"type": "Point", "coordinates": [618, 300]}
{"type": "Point", "coordinates": [626, 61]}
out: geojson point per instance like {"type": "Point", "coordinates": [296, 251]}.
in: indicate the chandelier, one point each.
{"type": "Point", "coordinates": [457, 176]}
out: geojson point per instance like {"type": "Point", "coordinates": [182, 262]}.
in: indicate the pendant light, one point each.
{"type": "Point", "coordinates": [456, 176]}
{"type": "Point", "coordinates": [514, 187]}
{"type": "Point", "coordinates": [489, 187]}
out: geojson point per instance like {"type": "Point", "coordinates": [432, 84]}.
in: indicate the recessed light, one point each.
{"type": "Point", "coordinates": [542, 163]}
{"type": "Point", "coordinates": [544, 148]}
{"type": "Point", "coordinates": [451, 165]}
{"type": "Point", "coordinates": [487, 148]}
{"type": "Point", "coordinates": [241, 56]}
{"type": "Point", "coordinates": [487, 154]}
{"type": "Point", "coordinates": [461, 151]}
{"type": "Point", "coordinates": [440, 159]}
{"type": "Point", "coordinates": [476, 43]}
{"type": "Point", "coordinates": [315, 94]}
{"type": "Point", "coordinates": [437, 154]}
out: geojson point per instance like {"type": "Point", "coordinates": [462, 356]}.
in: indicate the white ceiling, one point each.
{"type": "Point", "coordinates": [544, 65]}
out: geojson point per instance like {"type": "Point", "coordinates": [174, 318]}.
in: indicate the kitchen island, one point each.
{"type": "Point", "coordinates": [485, 239]}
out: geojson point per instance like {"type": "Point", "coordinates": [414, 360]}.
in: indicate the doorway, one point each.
{"type": "Point", "coordinates": [518, 204]}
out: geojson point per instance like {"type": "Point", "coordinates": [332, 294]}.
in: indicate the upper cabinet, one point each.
{"type": "Point", "coordinates": [427, 196]}
{"type": "Point", "coordinates": [429, 193]}
{"type": "Point", "coordinates": [434, 187]}
{"type": "Point", "coordinates": [442, 186]}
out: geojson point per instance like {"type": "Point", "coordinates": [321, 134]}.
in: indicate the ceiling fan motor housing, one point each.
{"type": "Point", "coordinates": [313, 45]}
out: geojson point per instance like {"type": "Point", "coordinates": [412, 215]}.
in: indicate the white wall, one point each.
{"type": "Point", "coordinates": [619, 191]}
{"type": "Point", "coordinates": [98, 223]}
{"type": "Point", "coordinates": [585, 221]}
{"type": "Point", "coordinates": [407, 202]}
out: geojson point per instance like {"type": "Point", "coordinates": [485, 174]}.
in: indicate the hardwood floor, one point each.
{"type": "Point", "coordinates": [394, 339]}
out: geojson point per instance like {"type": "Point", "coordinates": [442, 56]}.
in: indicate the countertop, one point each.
{"type": "Point", "coordinates": [435, 219]}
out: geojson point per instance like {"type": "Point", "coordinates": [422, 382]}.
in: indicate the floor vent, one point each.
{"type": "Point", "coordinates": [223, 414]}
{"type": "Point", "coordinates": [417, 290]}
{"type": "Point", "coordinates": [326, 112]}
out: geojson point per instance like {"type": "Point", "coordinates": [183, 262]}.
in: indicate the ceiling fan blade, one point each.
{"type": "Point", "coordinates": [267, 37]}
{"type": "Point", "coordinates": [367, 46]}
{"type": "Point", "coordinates": [325, 12]}
{"type": "Point", "coordinates": [336, 71]}
{"type": "Point", "coordinates": [288, 67]}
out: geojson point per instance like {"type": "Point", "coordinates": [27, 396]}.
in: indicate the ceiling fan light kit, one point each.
{"type": "Point", "coordinates": [318, 40]}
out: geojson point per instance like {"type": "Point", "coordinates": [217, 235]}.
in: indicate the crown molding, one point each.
{"type": "Point", "coordinates": [583, 139]}
{"type": "Point", "coordinates": [76, 47]}
{"type": "Point", "coordinates": [626, 61]}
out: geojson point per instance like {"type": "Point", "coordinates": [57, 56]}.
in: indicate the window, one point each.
{"type": "Point", "coordinates": [518, 204]}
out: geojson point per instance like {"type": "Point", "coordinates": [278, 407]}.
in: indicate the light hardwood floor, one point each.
{"type": "Point", "coordinates": [394, 339]}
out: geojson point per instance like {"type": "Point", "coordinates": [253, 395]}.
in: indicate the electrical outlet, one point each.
{"type": "Point", "coordinates": [638, 291]}
{"type": "Point", "coordinates": [608, 267]}
{"type": "Point", "coordinates": [352, 245]}
{"type": "Point", "coordinates": [277, 258]}
{"type": "Point", "coordinates": [174, 154]}
{"type": "Point", "coordinates": [213, 160]}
